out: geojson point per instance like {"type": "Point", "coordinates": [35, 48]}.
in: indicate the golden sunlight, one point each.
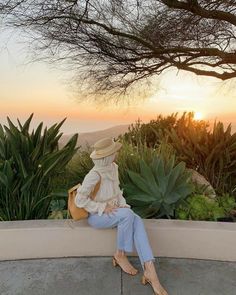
{"type": "Point", "coordinates": [198, 116]}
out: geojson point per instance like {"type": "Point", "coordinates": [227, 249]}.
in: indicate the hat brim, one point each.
{"type": "Point", "coordinates": [117, 146]}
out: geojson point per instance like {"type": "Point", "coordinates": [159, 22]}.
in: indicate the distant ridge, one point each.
{"type": "Point", "coordinates": [89, 138]}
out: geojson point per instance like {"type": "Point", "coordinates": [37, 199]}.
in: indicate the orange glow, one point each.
{"type": "Point", "coordinates": [39, 91]}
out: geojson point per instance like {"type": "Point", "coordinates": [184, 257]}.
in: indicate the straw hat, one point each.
{"type": "Point", "coordinates": [105, 147]}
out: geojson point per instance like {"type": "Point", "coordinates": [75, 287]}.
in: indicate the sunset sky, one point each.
{"type": "Point", "coordinates": [38, 88]}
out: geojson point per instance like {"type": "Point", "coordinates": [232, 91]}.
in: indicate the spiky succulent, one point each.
{"type": "Point", "coordinates": [157, 189]}
{"type": "Point", "coordinates": [28, 163]}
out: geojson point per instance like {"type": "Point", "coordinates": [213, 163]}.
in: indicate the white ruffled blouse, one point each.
{"type": "Point", "coordinates": [109, 191]}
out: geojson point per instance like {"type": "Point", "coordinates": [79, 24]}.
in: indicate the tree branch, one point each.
{"type": "Point", "coordinates": [194, 7]}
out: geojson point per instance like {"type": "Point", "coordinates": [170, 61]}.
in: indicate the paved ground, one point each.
{"type": "Point", "coordinates": [97, 276]}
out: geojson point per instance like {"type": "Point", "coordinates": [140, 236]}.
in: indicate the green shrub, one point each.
{"type": "Point", "coordinates": [151, 133]}
{"type": "Point", "coordinates": [129, 156]}
{"type": "Point", "coordinates": [57, 209]}
{"type": "Point", "coordinates": [80, 165]}
{"type": "Point", "coordinates": [74, 172]}
{"type": "Point", "coordinates": [28, 163]}
{"type": "Point", "coordinates": [200, 207]}
{"type": "Point", "coordinates": [212, 152]}
{"type": "Point", "coordinates": [227, 202]}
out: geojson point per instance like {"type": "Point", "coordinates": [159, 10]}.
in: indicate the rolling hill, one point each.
{"type": "Point", "coordinates": [89, 138]}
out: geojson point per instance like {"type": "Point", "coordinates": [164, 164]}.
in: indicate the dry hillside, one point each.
{"type": "Point", "coordinates": [90, 138]}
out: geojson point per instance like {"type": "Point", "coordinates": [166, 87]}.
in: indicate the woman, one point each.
{"type": "Point", "coordinates": [109, 209]}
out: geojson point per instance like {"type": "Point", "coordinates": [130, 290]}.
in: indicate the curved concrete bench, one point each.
{"type": "Point", "coordinates": [67, 238]}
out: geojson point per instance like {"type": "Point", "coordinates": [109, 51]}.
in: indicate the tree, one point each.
{"type": "Point", "coordinates": [113, 44]}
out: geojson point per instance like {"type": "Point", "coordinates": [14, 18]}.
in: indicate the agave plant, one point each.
{"type": "Point", "coordinates": [129, 156]}
{"type": "Point", "coordinates": [28, 163]}
{"type": "Point", "coordinates": [209, 150]}
{"type": "Point", "coordinates": [158, 188]}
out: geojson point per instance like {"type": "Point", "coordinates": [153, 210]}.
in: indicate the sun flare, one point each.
{"type": "Point", "coordinates": [198, 116]}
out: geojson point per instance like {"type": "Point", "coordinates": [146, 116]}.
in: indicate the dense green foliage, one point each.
{"type": "Point", "coordinates": [200, 207]}
{"type": "Point", "coordinates": [33, 171]}
{"type": "Point", "coordinates": [74, 172]}
{"type": "Point", "coordinates": [128, 158]}
{"type": "Point", "coordinates": [35, 174]}
{"type": "Point", "coordinates": [210, 151]}
{"type": "Point", "coordinates": [28, 163]}
{"type": "Point", "coordinates": [152, 133]}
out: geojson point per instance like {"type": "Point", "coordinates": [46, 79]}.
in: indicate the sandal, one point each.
{"type": "Point", "coordinates": [116, 263]}
{"type": "Point", "coordinates": [145, 280]}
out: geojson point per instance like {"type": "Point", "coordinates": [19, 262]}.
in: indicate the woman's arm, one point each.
{"type": "Point", "coordinates": [82, 199]}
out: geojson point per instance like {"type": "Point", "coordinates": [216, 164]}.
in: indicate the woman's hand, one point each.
{"type": "Point", "coordinates": [110, 208]}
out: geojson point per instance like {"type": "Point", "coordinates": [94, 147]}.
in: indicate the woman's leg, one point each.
{"type": "Point", "coordinates": [141, 241]}
{"type": "Point", "coordinates": [130, 231]}
{"type": "Point", "coordinates": [146, 257]}
{"type": "Point", "coordinates": [123, 219]}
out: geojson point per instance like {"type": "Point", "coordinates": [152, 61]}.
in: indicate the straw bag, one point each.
{"type": "Point", "coordinates": [75, 212]}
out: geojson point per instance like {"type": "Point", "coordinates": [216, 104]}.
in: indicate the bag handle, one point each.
{"type": "Point", "coordinates": [94, 192]}
{"type": "Point", "coordinates": [96, 188]}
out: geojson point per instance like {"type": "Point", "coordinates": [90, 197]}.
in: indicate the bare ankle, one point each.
{"type": "Point", "coordinates": [149, 265]}
{"type": "Point", "coordinates": [119, 253]}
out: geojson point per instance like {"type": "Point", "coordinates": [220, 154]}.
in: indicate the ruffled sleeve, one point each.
{"type": "Point", "coordinates": [82, 199]}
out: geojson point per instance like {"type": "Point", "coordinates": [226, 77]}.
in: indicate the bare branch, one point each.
{"type": "Point", "coordinates": [111, 45]}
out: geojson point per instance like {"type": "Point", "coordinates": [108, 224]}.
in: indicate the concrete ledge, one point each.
{"type": "Point", "coordinates": [66, 238]}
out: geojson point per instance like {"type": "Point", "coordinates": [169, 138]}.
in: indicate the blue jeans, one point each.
{"type": "Point", "coordinates": [130, 231]}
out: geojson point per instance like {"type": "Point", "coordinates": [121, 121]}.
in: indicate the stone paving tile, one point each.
{"type": "Point", "coordinates": [186, 277]}
{"type": "Point", "coordinates": [96, 275]}
{"type": "Point", "coordinates": [72, 276]}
